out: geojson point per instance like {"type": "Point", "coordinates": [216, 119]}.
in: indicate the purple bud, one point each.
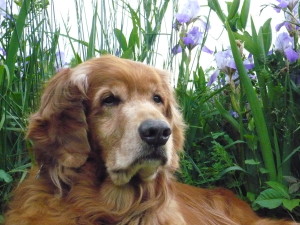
{"type": "Point", "coordinates": [213, 78]}
{"type": "Point", "coordinates": [207, 50]}
{"type": "Point", "coordinates": [234, 114]}
{"type": "Point", "coordinates": [176, 49]}
{"type": "Point", "coordinates": [282, 4]}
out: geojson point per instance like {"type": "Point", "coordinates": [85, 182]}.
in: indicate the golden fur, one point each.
{"type": "Point", "coordinates": [95, 169]}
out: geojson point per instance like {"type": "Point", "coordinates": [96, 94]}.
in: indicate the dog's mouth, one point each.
{"type": "Point", "coordinates": [145, 167]}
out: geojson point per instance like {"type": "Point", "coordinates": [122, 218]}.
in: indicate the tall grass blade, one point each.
{"type": "Point", "coordinates": [16, 36]}
{"type": "Point", "coordinates": [92, 39]}
{"type": "Point", "coordinates": [256, 108]}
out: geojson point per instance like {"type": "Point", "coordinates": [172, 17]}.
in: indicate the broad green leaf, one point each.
{"type": "Point", "coordinates": [233, 9]}
{"type": "Point", "coordinates": [266, 33]}
{"type": "Point", "coordinates": [128, 53]}
{"type": "Point", "coordinates": [294, 188]}
{"type": "Point", "coordinates": [290, 204]}
{"type": "Point", "coordinates": [5, 176]}
{"type": "Point", "coordinates": [121, 39]}
{"type": "Point", "coordinates": [133, 38]}
{"type": "Point", "coordinates": [290, 179]}
{"type": "Point", "coordinates": [245, 13]}
{"type": "Point", "coordinates": [269, 198]}
{"type": "Point", "coordinates": [280, 188]}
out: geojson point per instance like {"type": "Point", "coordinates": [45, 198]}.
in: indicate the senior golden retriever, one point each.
{"type": "Point", "coordinates": [106, 139]}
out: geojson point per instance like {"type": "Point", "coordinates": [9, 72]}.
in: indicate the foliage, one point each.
{"type": "Point", "coordinates": [257, 103]}
{"type": "Point", "coordinates": [26, 59]}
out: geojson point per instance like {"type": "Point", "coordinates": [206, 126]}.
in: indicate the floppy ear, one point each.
{"type": "Point", "coordinates": [59, 128]}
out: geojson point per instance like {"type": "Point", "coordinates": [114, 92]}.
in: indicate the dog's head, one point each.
{"type": "Point", "coordinates": [122, 111]}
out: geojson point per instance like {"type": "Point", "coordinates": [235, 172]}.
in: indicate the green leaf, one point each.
{"type": "Point", "coordinates": [294, 188]}
{"type": "Point", "coordinates": [232, 168]}
{"type": "Point", "coordinates": [233, 143]}
{"type": "Point", "coordinates": [269, 198]}
{"type": "Point", "coordinates": [263, 171]}
{"type": "Point", "coordinates": [92, 39]}
{"type": "Point", "coordinates": [5, 176]}
{"type": "Point", "coordinates": [15, 37]}
{"type": "Point", "coordinates": [134, 17]}
{"type": "Point", "coordinates": [214, 5]}
{"type": "Point", "coordinates": [256, 107]}
{"type": "Point", "coordinates": [290, 204]}
{"type": "Point", "coordinates": [121, 39]}
{"type": "Point", "coordinates": [290, 179]}
{"type": "Point", "coordinates": [133, 38]}
{"type": "Point", "coordinates": [249, 44]}
{"type": "Point", "coordinates": [227, 115]}
{"type": "Point", "coordinates": [266, 33]}
{"type": "Point", "coordinates": [251, 196]}
{"type": "Point", "coordinates": [280, 188]}
{"type": "Point", "coordinates": [245, 13]}
{"type": "Point", "coordinates": [251, 162]}
{"type": "Point", "coordinates": [233, 9]}
{"type": "Point", "coordinates": [128, 53]}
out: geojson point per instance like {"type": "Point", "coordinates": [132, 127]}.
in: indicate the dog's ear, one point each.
{"type": "Point", "coordinates": [59, 128]}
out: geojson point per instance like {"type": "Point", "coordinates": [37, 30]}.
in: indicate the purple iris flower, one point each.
{"type": "Point", "coordinates": [285, 44]}
{"type": "Point", "coordinates": [2, 8]}
{"type": "Point", "coordinates": [2, 52]}
{"type": "Point", "coordinates": [188, 12]}
{"type": "Point", "coordinates": [176, 49]}
{"type": "Point", "coordinates": [248, 63]}
{"type": "Point", "coordinates": [225, 61]}
{"type": "Point", "coordinates": [290, 4]}
{"type": "Point", "coordinates": [193, 37]}
{"type": "Point", "coordinates": [292, 21]}
{"type": "Point", "coordinates": [226, 64]}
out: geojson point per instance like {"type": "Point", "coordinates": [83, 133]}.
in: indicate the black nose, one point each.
{"type": "Point", "coordinates": [154, 132]}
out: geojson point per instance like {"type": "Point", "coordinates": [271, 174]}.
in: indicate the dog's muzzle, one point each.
{"type": "Point", "coordinates": [154, 132]}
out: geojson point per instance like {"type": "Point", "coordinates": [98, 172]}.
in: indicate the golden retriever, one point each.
{"type": "Point", "coordinates": [106, 139]}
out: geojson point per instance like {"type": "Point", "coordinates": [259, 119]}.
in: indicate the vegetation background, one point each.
{"type": "Point", "coordinates": [243, 112]}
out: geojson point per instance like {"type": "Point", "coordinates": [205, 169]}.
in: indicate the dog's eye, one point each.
{"type": "Point", "coordinates": [111, 100]}
{"type": "Point", "coordinates": [157, 99]}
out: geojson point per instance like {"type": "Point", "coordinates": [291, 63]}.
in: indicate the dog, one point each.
{"type": "Point", "coordinates": [107, 139]}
